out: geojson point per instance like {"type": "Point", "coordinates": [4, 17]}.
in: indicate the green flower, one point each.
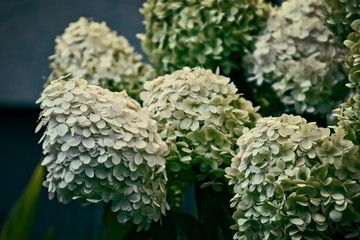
{"type": "Point", "coordinates": [349, 112]}
{"type": "Point", "coordinates": [91, 50]}
{"type": "Point", "coordinates": [200, 116]}
{"type": "Point", "coordinates": [209, 33]}
{"type": "Point", "coordinates": [102, 146]}
{"type": "Point", "coordinates": [297, 57]}
{"type": "Point", "coordinates": [295, 180]}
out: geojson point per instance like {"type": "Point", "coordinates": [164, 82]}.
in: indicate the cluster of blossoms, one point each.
{"type": "Point", "coordinates": [102, 146]}
{"type": "Point", "coordinates": [295, 180]}
{"type": "Point", "coordinates": [339, 14]}
{"type": "Point", "coordinates": [349, 112]}
{"type": "Point", "coordinates": [91, 50]}
{"type": "Point", "coordinates": [209, 33]}
{"type": "Point", "coordinates": [292, 179]}
{"type": "Point", "coordinates": [200, 116]}
{"type": "Point", "coordinates": [298, 58]}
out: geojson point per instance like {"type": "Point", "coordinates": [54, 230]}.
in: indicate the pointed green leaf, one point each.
{"type": "Point", "coordinates": [19, 222]}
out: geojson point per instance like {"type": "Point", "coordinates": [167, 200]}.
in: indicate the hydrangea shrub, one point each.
{"type": "Point", "coordinates": [101, 146]}
{"type": "Point", "coordinates": [349, 112]}
{"type": "Point", "coordinates": [207, 33]}
{"type": "Point", "coordinates": [91, 50]}
{"type": "Point", "coordinates": [295, 180]}
{"type": "Point", "coordinates": [200, 117]}
{"type": "Point", "coordinates": [298, 58]}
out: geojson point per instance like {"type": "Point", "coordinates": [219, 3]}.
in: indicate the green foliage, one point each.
{"type": "Point", "coordinates": [295, 180]}
{"type": "Point", "coordinates": [209, 33]}
{"type": "Point", "coordinates": [18, 223]}
{"type": "Point", "coordinates": [91, 50]}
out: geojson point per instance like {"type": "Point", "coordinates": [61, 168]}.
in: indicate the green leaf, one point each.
{"type": "Point", "coordinates": [217, 186]}
{"type": "Point", "coordinates": [19, 222]}
{"type": "Point", "coordinates": [173, 166]}
{"type": "Point", "coordinates": [206, 184]}
{"type": "Point", "coordinates": [202, 177]}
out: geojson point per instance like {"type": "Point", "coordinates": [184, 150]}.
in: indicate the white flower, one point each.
{"type": "Point", "coordinates": [91, 50]}
{"type": "Point", "coordinates": [200, 116]}
{"type": "Point", "coordinates": [294, 180]}
{"type": "Point", "coordinates": [209, 33]}
{"type": "Point", "coordinates": [299, 58]}
{"type": "Point", "coordinates": [102, 146]}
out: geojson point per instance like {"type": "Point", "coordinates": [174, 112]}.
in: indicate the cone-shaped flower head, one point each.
{"type": "Point", "coordinates": [200, 116]}
{"type": "Point", "coordinates": [339, 14]}
{"type": "Point", "coordinates": [296, 55]}
{"type": "Point", "coordinates": [349, 112]}
{"type": "Point", "coordinates": [102, 146]}
{"type": "Point", "coordinates": [294, 180]}
{"type": "Point", "coordinates": [209, 33]}
{"type": "Point", "coordinates": [91, 50]}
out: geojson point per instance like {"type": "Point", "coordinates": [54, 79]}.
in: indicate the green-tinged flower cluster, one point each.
{"type": "Point", "coordinates": [349, 112]}
{"type": "Point", "coordinates": [294, 180]}
{"type": "Point", "coordinates": [339, 14]}
{"type": "Point", "coordinates": [91, 50]}
{"type": "Point", "coordinates": [296, 55]}
{"type": "Point", "coordinates": [208, 33]}
{"type": "Point", "coordinates": [200, 116]}
{"type": "Point", "coordinates": [102, 146]}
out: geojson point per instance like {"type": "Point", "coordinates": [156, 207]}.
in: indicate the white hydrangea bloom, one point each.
{"type": "Point", "coordinates": [102, 146]}
{"type": "Point", "coordinates": [298, 57]}
{"type": "Point", "coordinates": [200, 116]}
{"type": "Point", "coordinates": [210, 33]}
{"type": "Point", "coordinates": [91, 50]}
{"type": "Point", "coordinates": [295, 180]}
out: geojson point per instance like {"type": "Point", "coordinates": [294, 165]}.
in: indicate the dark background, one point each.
{"type": "Point", "coordinates": [27, 32]}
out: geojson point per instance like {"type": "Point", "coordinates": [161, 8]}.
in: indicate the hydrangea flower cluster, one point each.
{"type": "Point", "coordinates": [200, 116]}
{"type": "Point", "coordinates": [102, 146]}
{"type": "Point", "coordinates": [339, 14]}
{"type": "Point", "coordinates": [349, 112]}
{"type": "Point", "coordinates": [209, 33]}
{"type": "Point", "coordinates": [91, 50]}
{"type": "Point", "coordinates": [296, 55]}
{"type": "Point", "coordinates": [295, 180]}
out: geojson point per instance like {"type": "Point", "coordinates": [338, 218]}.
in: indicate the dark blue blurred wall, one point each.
{"type": "Point", "coordinates": [28, 29]}
{"type": "Point", "coordinates": [27, 32]}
